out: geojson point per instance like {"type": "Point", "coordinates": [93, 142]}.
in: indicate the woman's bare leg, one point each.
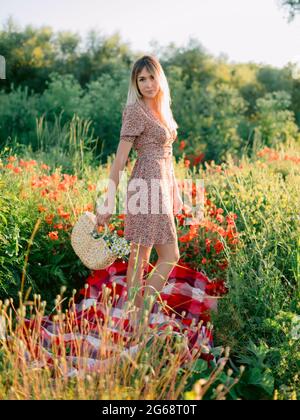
{"type": "Point", "coordinates": [138, 260]}
{"type": "Point", "coordinates": [168, 256]}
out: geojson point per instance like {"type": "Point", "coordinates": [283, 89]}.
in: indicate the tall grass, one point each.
{"type": "Point", "coordinates": [259, 314]}
{"type": "Point", "coordinates": [70, 145]}
{"type": "Point", "coordinates": [158, 367]}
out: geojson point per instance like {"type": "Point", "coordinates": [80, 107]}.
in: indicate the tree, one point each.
{"type": "Point", "coordinates": [275, 123]}
{"type": "Point", "coordinates": [293, 7]}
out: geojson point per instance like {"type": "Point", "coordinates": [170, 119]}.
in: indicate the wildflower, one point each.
{"type": "Point", "coordinates": [118, 246]}
{"type": "Point", "coordinates": [198, 159]}
{"type": "Point", "coordinates": [62, 213]}
{"type": "Point", "coordinates": [55, 177]}
{"type": "Point", "coordinates": [182, 145]}
{"type": "Point", "coordinates": [193, 231]}
{"type": "Point", "coordinates": [231, 235]}
{"type": "Point", "coordinates": [216, 288]}
{"type": "Point", "coordinates": [184, 238]}
{"type": "Point", "coordinates": [70, 179]}
{"type": "Point", "coordinates": [230, 221]}
{"type": "Point", "coordinates": [53, 195]}
{"type": "Point", "coordinates": [223, 265]}
{"type": "Point", "coordinates": [49, 218]}
{"type": "Point", "coordinates": [35, 183]}
{"type": "Point", "coordinates": [207, 243]}
{"type": "Point", "coordinates": [89, 207]}
{"type": "Point", "coordinates": [41, 208]}
{"type": "Point", "coordinates": [208, 202]}
{"type": "Point", "coordinates": [58, 226]}
{"type": "Point", "coordinates": [220, 218]}
{"type": "Point", "coordinates": [91, 187]}
{"type": "Point", "coordinates": [22, 162]}
{"type": "Point", "coordinates": [62, 186]}
{"type": "Point", "coordinates": [44, 192]}
{"type": "Point", "coordinates": [53, 235]}
{"type": "Point", "coordinates": [218, 246]}
{"type": "Point", "coordinates": [32, 162]}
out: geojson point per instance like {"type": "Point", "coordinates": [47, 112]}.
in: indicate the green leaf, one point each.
{"type": "Point", "coordinates": [199, 366]}
{"type": "Point", "coordinates": [264, 380]}
{"type": "Point", "coordinates": [3, 218]}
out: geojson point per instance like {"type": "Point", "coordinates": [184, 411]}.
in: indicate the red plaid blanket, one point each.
{"type": "Point", "coordinates": [186, 302]}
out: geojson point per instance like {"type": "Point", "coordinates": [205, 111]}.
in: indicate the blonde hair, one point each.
{"type": "Point", "coordinates": [163, 98]}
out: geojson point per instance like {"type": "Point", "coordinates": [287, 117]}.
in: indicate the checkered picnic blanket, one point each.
{"type": "Point", "coordinates": [186, 302]}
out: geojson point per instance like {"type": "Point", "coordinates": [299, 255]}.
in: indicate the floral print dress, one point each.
{"type": "Point", "coordinates": [149, 218]}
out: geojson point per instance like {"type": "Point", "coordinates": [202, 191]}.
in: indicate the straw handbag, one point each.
{"type": "Point", "coordinates": [89, 245]}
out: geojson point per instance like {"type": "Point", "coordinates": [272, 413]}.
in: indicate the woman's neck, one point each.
{"type": "Point", "coordinates": [152, 104]}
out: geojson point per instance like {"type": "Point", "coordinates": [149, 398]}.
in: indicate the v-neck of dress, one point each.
{"type": "Point", "coordinates": [148, 110]}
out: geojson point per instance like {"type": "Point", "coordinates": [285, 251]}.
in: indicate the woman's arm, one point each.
{"type": "Point", "coordinates": [116, 170]}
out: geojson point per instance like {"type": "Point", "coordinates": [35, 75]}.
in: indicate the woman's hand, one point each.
{"type": "Point", "coordinates": [103, 219]}
{"type": "Point", "coordinates": [177, 204]}
{"type": "Point", "coordinates": [103, 214]}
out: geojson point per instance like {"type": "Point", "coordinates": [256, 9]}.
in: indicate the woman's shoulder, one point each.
{"type": "Point", "coordinates": [134, 107]}
{"type": "Point", "coordinates": [133, 111]}
{"type": "Point", "coordinates": [132, 121]}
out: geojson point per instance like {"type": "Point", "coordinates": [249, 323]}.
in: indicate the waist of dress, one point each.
{"type": "Point", "coordinates": [155, 154]}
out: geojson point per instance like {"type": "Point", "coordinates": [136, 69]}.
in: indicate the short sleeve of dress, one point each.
{"type": "Point", "coordinates": [132, 124]}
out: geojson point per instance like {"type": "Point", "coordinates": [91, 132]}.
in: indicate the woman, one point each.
{"type": "Point", "coordinates": [147, 125]}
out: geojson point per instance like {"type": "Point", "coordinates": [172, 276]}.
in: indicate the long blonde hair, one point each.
{"type": "Point", "coordinates": [163, 98]}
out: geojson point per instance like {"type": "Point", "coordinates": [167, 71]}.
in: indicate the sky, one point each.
{"type": "Point", "coordinates": [242, 30]}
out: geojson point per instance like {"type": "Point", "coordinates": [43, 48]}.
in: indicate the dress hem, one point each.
{"type": "Point", "coordinates": [152, 244]}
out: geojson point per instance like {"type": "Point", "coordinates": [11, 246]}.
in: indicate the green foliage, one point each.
{"type": "Point", "coordinates": [293, 7]}
{"type": "Point", "coordinates": [18, 111]}
{"type": "Point", "coordinates": [63, 93]}
{"type": "Point", "coordinates": [220, 108]}
{"type": "Point", "coordinates": [202, 372]}
{"type": "Point", "coordinates": [103, 103]}
{"type": "Point", "coordinates": [257, 382]}
{"type": "Point", "coordinates": [211, 119]}
{"type": "Point", "coordinates": [275, 123]}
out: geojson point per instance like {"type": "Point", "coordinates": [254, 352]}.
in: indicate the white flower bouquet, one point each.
{"type": "Point", "coordinates": [118, 246]}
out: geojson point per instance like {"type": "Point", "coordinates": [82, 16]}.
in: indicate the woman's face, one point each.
{"type": "Point", "coordinates": [148, 86]}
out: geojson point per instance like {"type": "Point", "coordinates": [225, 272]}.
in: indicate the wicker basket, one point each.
{"type": "Point", "coordinates": [89, 245]}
